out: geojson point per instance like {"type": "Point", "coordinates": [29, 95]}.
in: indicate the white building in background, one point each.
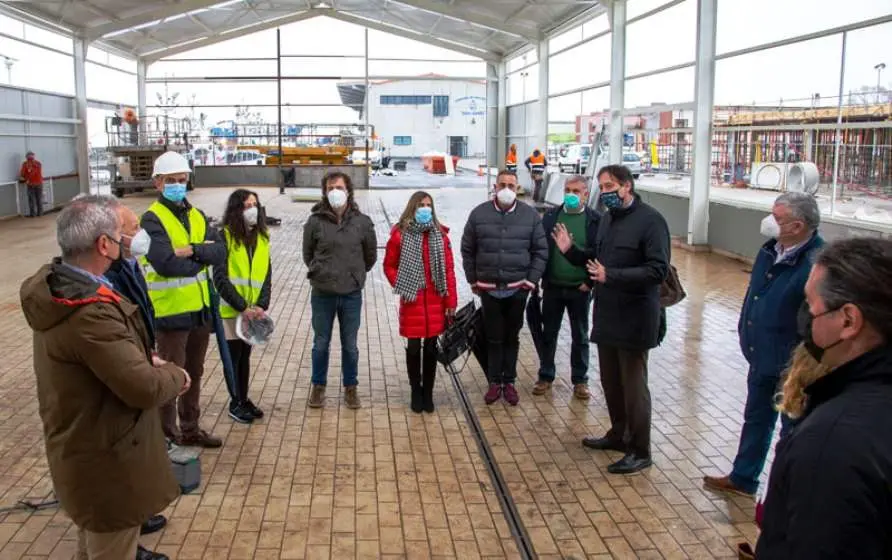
{"type": "Point", "coordinates": [415, 116]}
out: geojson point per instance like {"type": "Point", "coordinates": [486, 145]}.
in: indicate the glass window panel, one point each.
{"type": "Point", "coordinates": [261, 44]}
{"type": "Point", "coordinates": [213, 68]}
{"type": "Point", "coordinates": [676, 28]}
{"type": "Point", "coordinates": [220, 93]}
{"type": "Point", "coordinates": [48, 38]}
{"type": "Point", "coordinates": [668, 87]}
{"type": "Point", "coordinates": [756, 22]}
{"type": "Point", "coordinates": [385, 45]}
{"type": "Point", "coordinates": [596, 100]}
{"type": "Point", "coordinates": [587, 64]}
{"type": "Point", "coordinates": [421, 68]}
{"type": "Point", "coordinates": [637, 7]}
{"type": "Point", "coordinates": [28, 57]}
{"type": "Point", "coordinates": [565, 39]}
{"type": "Point", "coordinates": [564, 107]}
{"type": "Point", "coordinates": [598, 25]}
{"type": "Point", "coordinates": [322, 35]}
{"type": "Point", "coordinates": [525, 59]}
{"type": "Point", "coordinates": [865, 76]}
{"type": "Point", "coordinates": [110, 85]}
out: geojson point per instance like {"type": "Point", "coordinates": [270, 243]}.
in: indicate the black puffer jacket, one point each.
{"type": "Point", "coordinates": [504, 247]}
{"type": "Point", "coordinates": [634, 246]}
{"type": "Point", "coordinates": [830, 490]}
{"type": "Point", "coordinates": [338, 255]}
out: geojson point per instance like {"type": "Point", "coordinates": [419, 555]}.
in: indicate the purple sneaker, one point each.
{"type": "Point", "coordinates": [510, 394]}
{"type": "Point", "coordinates": [495, 391]}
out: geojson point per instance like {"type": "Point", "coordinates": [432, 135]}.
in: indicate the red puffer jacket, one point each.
{"type": "Point", "coordinates": [426, 316]}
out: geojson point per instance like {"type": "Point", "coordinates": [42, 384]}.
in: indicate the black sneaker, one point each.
{"type": "Point", "coordinates": [143, 553]}
{"type": "Point", "coordinates": [240, 413]}
{"type": "Point", "coordinates": [252, 408]}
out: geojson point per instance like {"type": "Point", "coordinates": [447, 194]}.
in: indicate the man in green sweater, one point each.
{"type": "Point", "coordinates": [568, 287]}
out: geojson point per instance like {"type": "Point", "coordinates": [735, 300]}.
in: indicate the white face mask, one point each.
{"type": "Point", "coordinates": [140, 243]}
{"type": "Point", "coordinates": [337, 198]}
{"type": "Point", "coordinates": [250, 215]}
{"type": "Point", "coordinates": [769, 227]}
{"type": "Point", "coordinates": [506, 197]}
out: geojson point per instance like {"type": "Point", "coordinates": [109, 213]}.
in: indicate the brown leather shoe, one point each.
{"type": "Point", "coordinates": [199, 439]}
{"type": "Point", "coordinates": [724, 484]}
{"type": "Point", "coordinates": [581, 392]}
{"type": "Point", "coordinates": [317, 396]}
{"type": "Point", "coordinates": [541, 387]}
{"type": "Point", "coordinates": [351, 397]}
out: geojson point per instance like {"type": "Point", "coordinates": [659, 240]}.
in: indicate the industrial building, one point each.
{"type": "Point", "coordinates": [712, 97]}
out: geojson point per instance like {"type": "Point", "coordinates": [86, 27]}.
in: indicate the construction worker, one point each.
{"type": "Point", "coordinates": [536, 165]}
{"type": "Point", "coordinates": [511, 159]}
{"type": "Point", "coordinates": [31, 174]}
{"type": "Point", "coordinates": [182, 248]}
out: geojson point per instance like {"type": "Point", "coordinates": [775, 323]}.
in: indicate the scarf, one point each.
{"type": "Point", "coordinates": [410, 277]}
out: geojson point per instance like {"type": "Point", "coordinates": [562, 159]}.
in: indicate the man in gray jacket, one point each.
{"type": "Point", "coordinates": [504, 253]}
{"type": "Point", "coordinates": [339, 248]}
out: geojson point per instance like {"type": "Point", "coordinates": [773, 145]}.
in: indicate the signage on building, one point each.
{"type": "Point", "coordinates": [475, 106]}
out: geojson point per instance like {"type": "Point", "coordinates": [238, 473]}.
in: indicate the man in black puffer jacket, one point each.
{"type": "Point", "coordinates": [504, 253]}
{"type": "Point", "coordinates": [629, 263]}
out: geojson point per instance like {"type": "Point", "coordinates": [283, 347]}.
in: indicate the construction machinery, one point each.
{"type": "Point", "coordinates": [135, 142]}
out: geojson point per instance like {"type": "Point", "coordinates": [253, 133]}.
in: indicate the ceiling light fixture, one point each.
{"type": "Point", "coordinates": [321, 6]}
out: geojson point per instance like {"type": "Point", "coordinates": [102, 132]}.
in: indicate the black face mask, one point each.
{"type": "Point", "coordinates": [116, 262]}
{"type": "Point", "coordinates": [804, 321]}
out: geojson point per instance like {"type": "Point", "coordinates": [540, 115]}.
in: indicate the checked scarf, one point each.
{"type": "Point", "coordinates": [410, 277]}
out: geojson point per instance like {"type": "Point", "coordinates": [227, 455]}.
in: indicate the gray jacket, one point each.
{"type": "Point", "coordinates": [504, 247]}
{"type": "Point", "coordinates": [338, 255]}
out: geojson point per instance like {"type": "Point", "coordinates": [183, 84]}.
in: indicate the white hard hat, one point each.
{"type": "Point", "coordinates": [170, 163]}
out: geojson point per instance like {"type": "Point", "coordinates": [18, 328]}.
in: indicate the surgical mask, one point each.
{"type": "Point", "coordinates": [250, 215]}
{"type": "Point", "coordinates": [424, 215]}
{"type": "Point", "coordinates": [611, 200]}
{"type": "Point", "coordinates": [174, 192]}
{"type": "Point", "coordinates": [571, 201]}
{"type": "Point", "coordinates": [140, 243]}
{"type": "Point", "coordinates": [506, 197]}
{"type": "Point", "coordinates": [337, 198]}
{"type": "Point", "coordinates": [769, 227]}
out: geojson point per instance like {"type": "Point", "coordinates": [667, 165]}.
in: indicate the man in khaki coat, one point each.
{"type": "Point", "coordinates": [99, 389]}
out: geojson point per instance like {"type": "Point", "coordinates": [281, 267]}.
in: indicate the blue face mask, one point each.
{"type": "Point", "coordinates": [571, 201]}
{"type": "Point", "coordinates": [611, 200]}
{"type": "Point", "coordinates": [424, 215]}
{"type": "Point", "coordinates": [174, 192]}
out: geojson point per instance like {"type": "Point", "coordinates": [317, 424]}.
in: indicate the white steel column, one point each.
{"type": "Point", "coordinates": [617, 15]}
{"type": "Point", "coordinates": [492, 116]}
{"type": "Point", "coordinates": [541, 138]}
{"type": "Point", "coordinates": [141, 68]}
{"type": "Point", "coordinates": [82, 145]}
{"type": "Point", "coordinates": [704, 89]}
{"type": "Point", "coordinates": [502, 137]}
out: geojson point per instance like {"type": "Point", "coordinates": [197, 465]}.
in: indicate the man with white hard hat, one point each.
{"type": "Point", "coordinates": [177, 272]}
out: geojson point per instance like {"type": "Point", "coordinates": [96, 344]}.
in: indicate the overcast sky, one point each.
{"type": "Point", "coordinates": [793, 73]}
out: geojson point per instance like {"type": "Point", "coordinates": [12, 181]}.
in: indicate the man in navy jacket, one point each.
{"type": "Point", "coordinates": [768, 330]}
{"type": "Point", "coordinates": [127, 279]}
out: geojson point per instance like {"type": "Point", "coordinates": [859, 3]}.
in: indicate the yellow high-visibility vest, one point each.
{"type": "Point", "coordinates": [177, 296]}
{"type": "Point", "coordinates": [247, 275]}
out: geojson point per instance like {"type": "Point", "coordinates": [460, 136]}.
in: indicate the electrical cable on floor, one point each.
{"type": "Point", "coordinates": [31, 506]}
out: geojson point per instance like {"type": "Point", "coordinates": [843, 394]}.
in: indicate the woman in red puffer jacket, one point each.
{"type": "Point", "coordinates": [420, 267]}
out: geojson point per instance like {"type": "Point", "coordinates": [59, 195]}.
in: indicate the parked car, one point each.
{"type": "Point", "coordinates": [633, 162]}
{"type": "Point", "coordinates": [576, 158]}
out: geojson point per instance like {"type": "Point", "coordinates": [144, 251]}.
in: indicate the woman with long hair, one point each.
{"type": "Point", "coordinates": [244, 284]}
{"type": "Point", "coordinates": [419, 265]}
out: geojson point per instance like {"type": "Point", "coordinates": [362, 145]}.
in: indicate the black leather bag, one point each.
{"type": "Point", "coordinates": [464, 334]}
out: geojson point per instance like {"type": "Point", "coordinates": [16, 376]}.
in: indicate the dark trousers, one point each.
{"type": "Point", "coordinates": [624, 380]}
{"type": "Point", "coordinates": [502, 320]}
{"type": "Point", "coordinates": [759, 420]}
{"type": "Point", "coordinates": [422, 366]}
{"type": "Point", "coordinates": [35, 200]}
{"type": "Point", "coordinates": [240, 352]}
{"type": "Point", "coordinates": [186, 349]}
{"type": "Point", "coordinates": [554, 301]}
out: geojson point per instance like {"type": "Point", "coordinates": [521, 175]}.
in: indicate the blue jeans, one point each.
{"type": "Point", "coordinates": [759, 419]}
{"type": "Point", "coordinates": [348, 310]}
{"type": "Point", "coordinates": [554, 301]}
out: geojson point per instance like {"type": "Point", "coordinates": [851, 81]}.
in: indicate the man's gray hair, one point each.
{"type": "Point", "coordinates": [803, 207]}
{"type": "Point", "coordinates": [83, 221]}
{"type": "Point", "coordinates": [577, 179]}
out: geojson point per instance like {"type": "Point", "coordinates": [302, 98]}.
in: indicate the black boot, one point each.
{"type": "Point", "coordinates": [413, 364]}
{"type": "Point", "coordinates": [429, 376]}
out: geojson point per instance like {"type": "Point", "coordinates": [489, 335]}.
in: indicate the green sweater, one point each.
{"type": "Point", "coordinates": [560, 271]}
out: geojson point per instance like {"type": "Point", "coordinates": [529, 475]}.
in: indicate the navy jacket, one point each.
{"type": "Point", "coordinates": [127, 279]}
{"type": "Point", "coordinates": [549, 221]}
{"type": "Point", "coordinates": [767, 325]}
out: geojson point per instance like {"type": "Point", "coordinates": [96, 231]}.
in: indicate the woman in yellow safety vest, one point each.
{"type": "Point", "coordinates": [244, 284]}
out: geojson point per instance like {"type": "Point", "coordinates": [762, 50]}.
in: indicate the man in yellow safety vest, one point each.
{"type": "Point", "coordinates": [177, 272]}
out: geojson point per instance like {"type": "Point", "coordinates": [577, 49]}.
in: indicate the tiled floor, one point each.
{"type": "Point", "coordinates": [382, 482]}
